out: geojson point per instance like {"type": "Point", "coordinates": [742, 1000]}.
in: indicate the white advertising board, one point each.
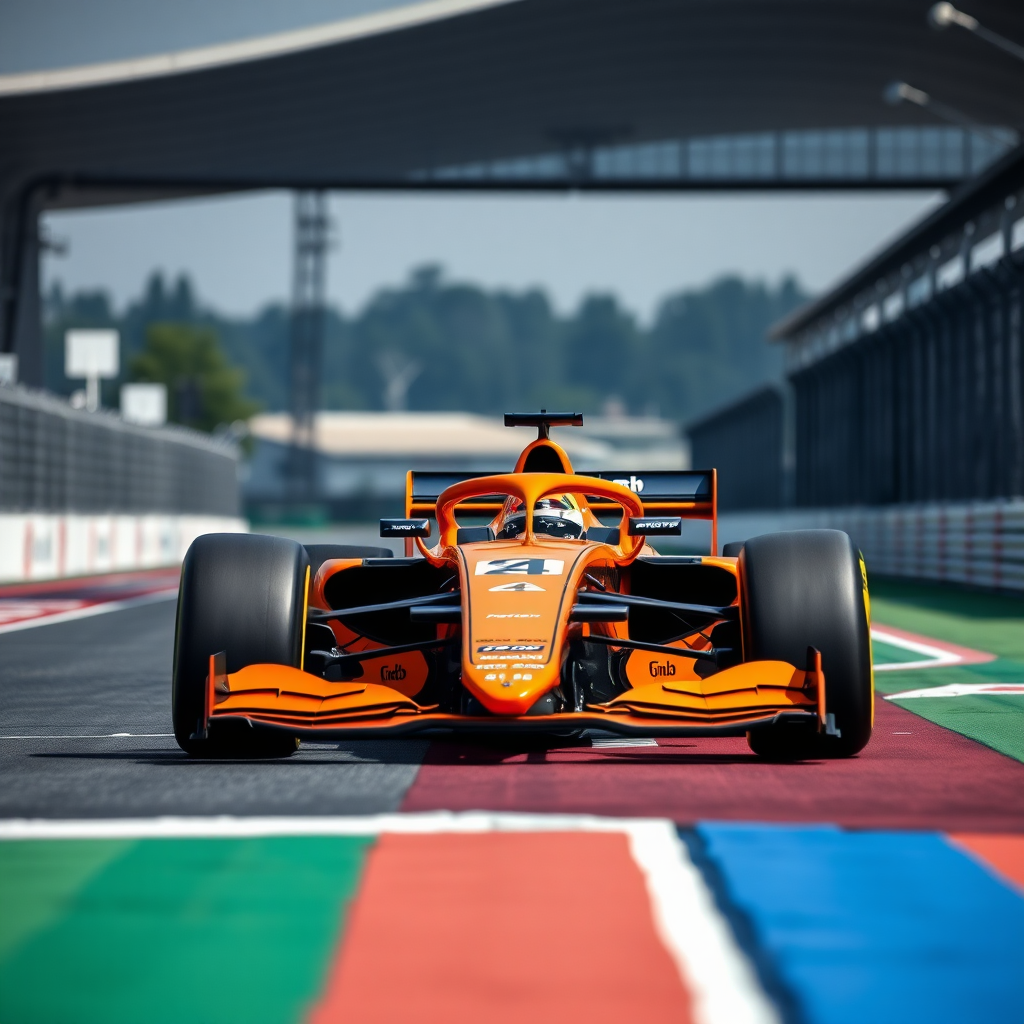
{"type": "Point", "coordinates": [144, 404]}
{"type": "Point", "coordinates": [91, 353]}
{"type": "Point", "coordinates": [8, 368]}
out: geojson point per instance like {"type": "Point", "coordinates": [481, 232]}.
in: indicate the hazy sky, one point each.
{"type": "Point", "coordinates": [238, 249]}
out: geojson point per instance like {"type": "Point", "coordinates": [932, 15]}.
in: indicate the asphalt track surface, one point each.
{"type": "Point", "coordinates": [68, 688]}
{"type": "Point", "coordinates": [111, 673]}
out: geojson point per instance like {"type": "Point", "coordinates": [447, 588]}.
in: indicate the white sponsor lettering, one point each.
{"type": "Point", "coordinates": [516, 648]}
{"type": "Point", "coordinates": [525, 657]}
{"type": "Point", "coordinates": [634, 483]}
{"type": "Point", "coordinates": [514, 615]}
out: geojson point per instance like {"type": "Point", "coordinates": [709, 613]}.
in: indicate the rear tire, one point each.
{"type": "Point", "coordinates": [807, 588]}
{"type": "Point", "coordinates": [244, 594]}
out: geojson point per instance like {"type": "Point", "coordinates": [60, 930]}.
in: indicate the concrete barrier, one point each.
{"type": "Point", "coordinates": [48, 546]}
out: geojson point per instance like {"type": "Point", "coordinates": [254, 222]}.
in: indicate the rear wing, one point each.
{"type": "Point", "coordinates": [691, 494]}
{"type": "Point", "coordinates": [423, 489]}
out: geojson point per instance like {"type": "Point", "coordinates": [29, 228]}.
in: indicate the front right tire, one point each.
{"type": "Point", "coordinates": [808, 588]}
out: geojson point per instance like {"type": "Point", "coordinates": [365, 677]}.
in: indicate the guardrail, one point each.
{"type": "Point", "coordinates": [975, 543]}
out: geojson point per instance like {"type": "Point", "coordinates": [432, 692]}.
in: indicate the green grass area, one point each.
{"type": "Point", "coordinates": [972, 618]}
{"type": "Point", "coordinates": [994, 720]}
{"type": "Point", "coordinates": [209, 931]}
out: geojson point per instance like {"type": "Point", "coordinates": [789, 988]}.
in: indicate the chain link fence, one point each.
{"type": "Point", "coordinates": [57, 459]}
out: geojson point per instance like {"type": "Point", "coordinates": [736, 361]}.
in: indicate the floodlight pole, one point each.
{"type": "Point", "coordinates": [312, 240]}
{"type": "Point", "coordinates": [942, 15]}
{"type": "Point", "coordinates": [900, 92]}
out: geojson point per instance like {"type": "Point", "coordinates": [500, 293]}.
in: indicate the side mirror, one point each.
{"type": "Point", "coordinates": [405, 527]}
{"type": "Point", "coordinates": [651, 526]}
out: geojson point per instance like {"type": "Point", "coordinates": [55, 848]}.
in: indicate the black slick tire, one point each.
{"type": "Point", "coordinates": [244, 594]}
{"type": "Point", "coordinates": [808, 588]}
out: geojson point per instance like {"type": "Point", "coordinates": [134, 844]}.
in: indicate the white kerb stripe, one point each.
{"type": "Point", "coordinates": [937, 657]}
{"type": "Point", "coordinates": [718, 975]}
{"type": "Point", "coordinates": [228, 826]}
{"type": "Point", "coordinates": [994, 689]}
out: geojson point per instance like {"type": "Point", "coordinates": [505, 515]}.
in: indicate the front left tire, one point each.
{"type": "Point", "coordinates": [244, 594]}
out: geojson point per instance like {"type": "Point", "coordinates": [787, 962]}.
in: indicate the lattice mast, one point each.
{"type": "Point", "coordinates": [312, 242]}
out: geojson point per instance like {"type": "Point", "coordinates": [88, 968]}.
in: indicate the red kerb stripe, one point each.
{"type": "Point", "coordinates": [504, 928]}
{"type": "Point", "coordinates": [1003, 854]}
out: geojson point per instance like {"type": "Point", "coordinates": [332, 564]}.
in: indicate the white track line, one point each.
{"type": "Point", "coordinates": [95, 736]}
{"type": "Point", "coordinates": [90, 610]}
{"type": "Point", "coordinates": [962, 690]}
{"type": "Point", "coordinates": [714, 970]}
{"type": "Point", "coordinates": [937, 657]}
{"type": "Point", "coordinates": [719, 977]}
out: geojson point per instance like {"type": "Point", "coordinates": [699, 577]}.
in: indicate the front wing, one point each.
{"type": "Point", "coordinates": [727, 703]}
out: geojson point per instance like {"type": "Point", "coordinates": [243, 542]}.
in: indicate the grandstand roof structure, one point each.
{"type": "Point", "coordinates": [508, 94]}
{"type": "Point", "coordinates": [399, 94]}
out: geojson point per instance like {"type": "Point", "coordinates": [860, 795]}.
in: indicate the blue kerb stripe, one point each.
{"type": "Point", "coordinates": [876, 927]}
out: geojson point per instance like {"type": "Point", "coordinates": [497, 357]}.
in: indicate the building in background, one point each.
{"type": "Point", "coordinates": [363, 457]}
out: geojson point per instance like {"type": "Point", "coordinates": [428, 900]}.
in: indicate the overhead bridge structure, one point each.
{"type": "Point", "coordinates": [507, 94]}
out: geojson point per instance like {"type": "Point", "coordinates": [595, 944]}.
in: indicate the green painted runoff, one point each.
{"type": "Point", "coordinates": [209, 931]}
{"type": "Point", "coordinates": [971, 618]}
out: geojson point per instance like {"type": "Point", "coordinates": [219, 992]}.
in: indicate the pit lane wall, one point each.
{"type": "Point", "coordinates": [976, 543]}
{"type": "Point", "coordinates": [85, 492]}
{"type": "Point", "coordinates": [43, 547]}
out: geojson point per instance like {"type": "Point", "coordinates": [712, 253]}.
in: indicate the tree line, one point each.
{"type": "Point", "coordinates": [436, 344]}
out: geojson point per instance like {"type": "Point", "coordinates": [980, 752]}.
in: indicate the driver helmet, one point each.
{"type": "Point", "coordinates": [558, 516]}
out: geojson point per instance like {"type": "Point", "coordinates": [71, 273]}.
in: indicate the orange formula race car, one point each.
{"type": "Point", "coordinates": [542, 607]}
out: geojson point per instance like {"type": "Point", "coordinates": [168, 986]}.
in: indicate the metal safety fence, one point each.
{"type": "Point", "coordinates": [976, 543]}
{"type": "Point", "coordinates": [56, 459]}
{"type": "Point", "coordinates": [929, 407]}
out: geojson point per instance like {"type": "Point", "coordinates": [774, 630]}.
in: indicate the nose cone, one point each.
{"type": "Point", "coordinates": [516, 612]}
{"type": "Point", "coordinates": [509, 687]}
